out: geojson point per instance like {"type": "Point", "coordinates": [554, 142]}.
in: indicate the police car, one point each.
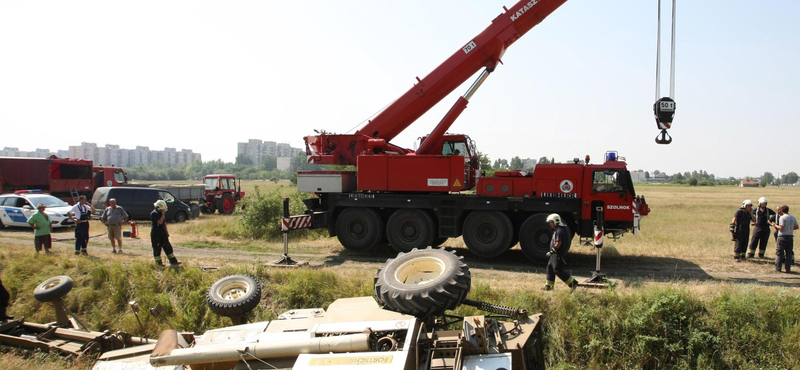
{"type": "Point", "coordinates": [16, 208]}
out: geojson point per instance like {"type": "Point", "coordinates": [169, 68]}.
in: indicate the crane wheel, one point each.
{"type": "Point", "coordinates": [488, 234]}
{"type": "Point", "coordinates": [359, 229]}
{"type": "Point", "coordinates": [423, 282]}
{"type": "Point", "coordinates": [534, 238]}
{"type": "Point", "coordinates": [410, 228]}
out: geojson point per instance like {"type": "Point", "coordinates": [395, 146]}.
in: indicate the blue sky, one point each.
{"type": "Point", "coordinates": [205, 75]}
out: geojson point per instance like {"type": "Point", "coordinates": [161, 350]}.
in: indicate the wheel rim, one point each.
{"type": "Point", "coordinates": [227, 204]}
{"type": "Point", "coordinates": [541, 238]}
{"type": "Point", "coordinates": [233, 290]}
{"type": "Point", "coordinates": [357, 229]}
{"type": "Point", "coordinates": [409, 232]}
{"type": "Point", "coordinates": [420, 271]}
{"type": "Point", "coordinates": [486, 233]}
{"type": "Point", "coordinates": [51, 284]}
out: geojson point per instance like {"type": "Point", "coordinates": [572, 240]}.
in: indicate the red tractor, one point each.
{"type": "Point", "coordinates": [221, 194]}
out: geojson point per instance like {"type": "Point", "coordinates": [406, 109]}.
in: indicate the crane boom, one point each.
{"type": "Point", "coordinates": [483, 51]}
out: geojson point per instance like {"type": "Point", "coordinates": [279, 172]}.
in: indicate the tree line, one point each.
{"type": "Point", "coordinates": [244, 168]}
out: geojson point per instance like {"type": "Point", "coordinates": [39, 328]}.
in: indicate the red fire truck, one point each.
{"type": "Point", "coordinates": [414, 199]}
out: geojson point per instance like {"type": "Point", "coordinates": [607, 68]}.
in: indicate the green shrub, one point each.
{"type": "Point", "coordinates": [261, 217]}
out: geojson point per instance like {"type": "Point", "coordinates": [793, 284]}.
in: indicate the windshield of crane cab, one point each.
{"type": "Point", "coordinates": [454, 148]}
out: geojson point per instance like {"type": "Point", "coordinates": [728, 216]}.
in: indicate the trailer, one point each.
{"type": "Point", "coordinates": [192, 194]}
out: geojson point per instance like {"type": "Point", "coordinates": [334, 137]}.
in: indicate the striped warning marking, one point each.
{"type": "Point", "coordinates": [296, 222]}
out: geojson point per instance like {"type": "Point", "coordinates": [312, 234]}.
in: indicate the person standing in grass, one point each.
{"type": "Point", "coordinates": [741, 224]}
{"type": "Point", "coordinates": [80, 214]}
{"type": "Point", "coordinates": [159, 236]}
{"type": "Point", "coordinates": [761, 231]}
{"type": "Point", "coordinates": [784, 251]}
{"type": "Point", "coordinates": [40, 223]}
{"type": "Point", "coordinates": [114, 217]}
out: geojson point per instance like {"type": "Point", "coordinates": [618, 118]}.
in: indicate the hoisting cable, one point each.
{"type": "Point", "coordinates": [664, 108]}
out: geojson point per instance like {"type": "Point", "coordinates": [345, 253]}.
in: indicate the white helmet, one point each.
{"type": "Point", "coordinates": [554, 218]}
{"type": "Point", "coordinates": [747, 202]}
{"type": "Point", "coordinates": [762, 200]}
{"type": "Point", "coordinates": [160, 205]}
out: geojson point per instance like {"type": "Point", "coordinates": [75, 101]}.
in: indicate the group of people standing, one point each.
{"type": "Point", "coordinates": [783, 223]}
{"type": "Point", "coordinates": [113, 217]}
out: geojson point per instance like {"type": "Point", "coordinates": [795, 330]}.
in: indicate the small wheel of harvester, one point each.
{"type": "Point", "coordinates": [53, 288]}
{"type": "Point", "coordinates": [234, 295]}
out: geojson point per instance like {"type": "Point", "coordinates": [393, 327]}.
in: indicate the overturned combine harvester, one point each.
{"type": "Point", "coordinates": [406, 329]}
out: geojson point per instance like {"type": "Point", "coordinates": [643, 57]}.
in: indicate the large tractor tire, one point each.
{"type": "Point", "coordinates": [422, 283]}
{"type": "Point", "coordinates": [234, 295]}
{"type": "Point", "coordinates": [488, 234]}
{"type": "Point", "coordinates": [359, 229]}
{"type": "Point", "coordinates": [195, 209]}
{"type": "Point", "coordinates": [535, 235]}
{"type": "Point", "coordinates": [53, 288]}
{"type": "Point", "coordinates": [409, 229]}
{"type": "Point", "coordinates": [225, 204]}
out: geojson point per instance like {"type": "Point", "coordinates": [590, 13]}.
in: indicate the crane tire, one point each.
{"type": "Point", "coordinates": [359, 229]}
{"type": "Point", "coordinates": [423, 282]}
{"type": "Point", "coordinates": [488, 234]}
{"type": "Point", "coordinates": [409, 229]}
{"type": "Point", "coordinates": [534, 238]}
{"type": "Point", "coordinates": [234, 295]}
{"type": "Point", "coordinates": [53, 288]}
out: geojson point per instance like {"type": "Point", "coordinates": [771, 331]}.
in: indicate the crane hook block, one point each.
{"type": "Point", "coordinates": [664, 111]}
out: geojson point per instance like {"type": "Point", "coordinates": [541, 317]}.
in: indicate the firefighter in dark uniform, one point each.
{"type": "Point", "coordinates": [80, 214]}
{"type": "Point", "coordinates": [761, 231]}
{"type": "Point", "coordinates": [556, 265]}
{"type": "Point", "coordinates": [159, 236]}
{"type": "Point", "coordinates": [740, 226]}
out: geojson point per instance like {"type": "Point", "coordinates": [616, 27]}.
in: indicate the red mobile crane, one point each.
{"type": "Point", "coordinates": [409, 198]}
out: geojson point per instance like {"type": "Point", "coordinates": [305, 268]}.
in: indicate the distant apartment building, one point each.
{"type": "Point", "coordinates": [111, 154]}
{"type": "Point", "coordinates": [256, 150]}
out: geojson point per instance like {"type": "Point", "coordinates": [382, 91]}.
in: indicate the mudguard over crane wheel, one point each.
{"type": "Point", "coordinates": [359, 229]}
{"type": "Point", "coordinates": [535, 235]}
{"type": "Point", "coordinates": [488, 234]}
{"type": "Point", "coordinates": [53, 288]}
{"type": "Point", "coordinates": [408, 229]}
{"type": "Point", "coordinates": [225, 204]}
{"type": "Point", "coordinates": [234, 295]}
{"type": "Point", "coordinates": [422, 283]}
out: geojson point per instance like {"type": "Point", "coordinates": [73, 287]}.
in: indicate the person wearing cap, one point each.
{"type": "Point", "coordinates": [761, 231]}
{"type": "Point", "coordinates": [555, 267]}
{"type": "Point", "coordinates": [40, 223]}
{"type": "Point", "coordinates": [159, 236]}
{"type": "Point", "coordinates": [784, 251]}
{"type": "Point", "coordinates": [114, 217]}
{"type": "Point", "coordinates": [80, 214]}
{"type": "Point", "coordinates": [741, 228]}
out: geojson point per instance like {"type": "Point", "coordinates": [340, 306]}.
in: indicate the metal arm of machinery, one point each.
{"type": "Point", "coordinates": [483, 51]}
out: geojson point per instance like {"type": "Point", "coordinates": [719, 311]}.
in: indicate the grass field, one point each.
{"type": "Point", "coordinates": [681, 302]}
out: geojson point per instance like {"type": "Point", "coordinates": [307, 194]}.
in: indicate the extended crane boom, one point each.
{"type": "Point", "coordinates": [483, 51]}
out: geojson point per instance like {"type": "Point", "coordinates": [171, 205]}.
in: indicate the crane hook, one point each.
{"type": "Point", "coordinates": [663, 138]}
